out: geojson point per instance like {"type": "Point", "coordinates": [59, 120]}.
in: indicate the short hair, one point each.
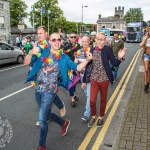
{"type": "Point", "coordinates": [71, 33]}
{"type": "Point", "coordinates": [55, 33]}
{"type": "Point", "coordinates": [100, 33]}
{"type": "Point", "coordinates": [43, 27]}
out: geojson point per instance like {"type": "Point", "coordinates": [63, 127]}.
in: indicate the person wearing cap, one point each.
{"type": "Point", "coordinates": [146, 57]}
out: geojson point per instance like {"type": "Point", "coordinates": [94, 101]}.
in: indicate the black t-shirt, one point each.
{"type": "Point", "coordinates": [70, 46]}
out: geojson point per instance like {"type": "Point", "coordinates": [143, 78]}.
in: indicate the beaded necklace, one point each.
{"type": "Point", "coordinates": [70, 49]}
{"type": "Point", "coordinates": [81, 50]}
{"type": "Point", "coordinates": [44, 44]}
{"type": "Point", "coordinates": [54, 59]}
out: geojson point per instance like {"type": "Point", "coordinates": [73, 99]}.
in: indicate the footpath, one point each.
{"type": "Point", "coordinates": [134, 132]}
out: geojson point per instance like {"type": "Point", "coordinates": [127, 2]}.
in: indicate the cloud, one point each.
{"type": "Point", "coordinates": [73, 9]}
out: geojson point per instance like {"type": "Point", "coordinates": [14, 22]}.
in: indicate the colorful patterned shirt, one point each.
{"type": "Point", "coordinates": [81, 58]}
{"type": "Point", "coordinates": [98, 72]}
{"type": "Point", "coordinates": [47, 76]}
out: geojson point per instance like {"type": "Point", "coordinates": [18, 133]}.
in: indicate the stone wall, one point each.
{"type": "Point", "coordinates": [5, 12]}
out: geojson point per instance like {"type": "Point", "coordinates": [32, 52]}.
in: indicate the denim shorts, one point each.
{"type": "Point", "coordinates": [146, 57]}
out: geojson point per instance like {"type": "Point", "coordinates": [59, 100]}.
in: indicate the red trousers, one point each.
{"type": "Point", "coordinates": [95, 88]}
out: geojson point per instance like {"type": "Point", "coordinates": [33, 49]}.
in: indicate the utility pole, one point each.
{"type": "Point", "coordinates": [49, 11]}
{"type": "Point", "coordinates": [33, 9]}
{"type": "Point", "coordinates": [77, 28]}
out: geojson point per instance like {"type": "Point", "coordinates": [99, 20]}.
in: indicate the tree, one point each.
{"type": "Point", "coordinates": [56, 18]}
{"type": "Point", "coordinates": [17, 11]}
{"type": "Point", "coordinates": [133, 14]}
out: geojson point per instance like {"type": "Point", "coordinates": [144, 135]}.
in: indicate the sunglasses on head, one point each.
{"type": "Point", "coordinates": [73, 37]}
{"type": "Point", "coordinates": [54, 40]}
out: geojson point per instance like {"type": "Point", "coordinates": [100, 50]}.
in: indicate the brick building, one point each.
{"type": "Point", "coordinates": [115, 21]}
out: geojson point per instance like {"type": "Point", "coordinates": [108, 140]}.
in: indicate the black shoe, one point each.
{"type": "Point", "coordinates": [76, 99]}
{"type": "Point", "coordinates": [99, 123]}
{"type": "Point", "coordinates": [73, 104]}
{"type": "Point", "coordinates": [91, 122]}
{"type": "Point", "coordinates": [146, 88]}
{"type": "Point", "coordinates": [147, 85]}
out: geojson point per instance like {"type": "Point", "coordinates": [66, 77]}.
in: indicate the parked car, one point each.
{"type": "Point", "coordinates": [9, 54]}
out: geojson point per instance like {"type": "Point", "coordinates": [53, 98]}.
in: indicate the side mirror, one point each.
{"type": "Point", "coordinates": [12, 48]}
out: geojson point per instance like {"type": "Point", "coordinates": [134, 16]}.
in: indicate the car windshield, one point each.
{"type": "Point", "coordinates": [133, 29]}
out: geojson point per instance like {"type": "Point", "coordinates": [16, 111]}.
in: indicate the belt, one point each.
{"type": "Point", "coordinates": [147, 54]}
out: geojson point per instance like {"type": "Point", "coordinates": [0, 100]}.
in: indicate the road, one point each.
{"type": "Point", "coordinates": [18, 106]}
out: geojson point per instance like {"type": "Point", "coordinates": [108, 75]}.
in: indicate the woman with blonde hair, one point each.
{"type": "Point", "coordinates": [146, 57]}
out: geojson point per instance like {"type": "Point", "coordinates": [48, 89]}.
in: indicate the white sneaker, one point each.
{"type": "Point", "coordinates": [38, 123]}
{"type": "Point", "coordinates": [114, 80]}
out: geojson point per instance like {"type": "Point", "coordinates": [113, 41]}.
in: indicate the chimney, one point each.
{"type": "Point", "coordinates": [99, 16]}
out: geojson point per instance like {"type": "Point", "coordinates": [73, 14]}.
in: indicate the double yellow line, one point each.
{"type": "Point", "coordinates": [102, 133]}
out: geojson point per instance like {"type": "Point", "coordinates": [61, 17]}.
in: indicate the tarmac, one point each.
{"type": "Point", "coordinates": [134, 133]}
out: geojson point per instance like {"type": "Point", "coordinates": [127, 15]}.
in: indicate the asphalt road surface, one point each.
{"type": "Point", "coordinates": [19, 113]}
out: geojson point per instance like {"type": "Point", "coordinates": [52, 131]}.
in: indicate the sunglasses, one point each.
{"type": "Point", "coordinates": [55, 40]}
{"type": "Point", "coordinates": [73, 37]}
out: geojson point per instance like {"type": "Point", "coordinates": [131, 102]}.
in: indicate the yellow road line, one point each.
{"type": "Point", "coordinates": [91, 132]}
{"type": "Point", "coordinates": [113, 110]}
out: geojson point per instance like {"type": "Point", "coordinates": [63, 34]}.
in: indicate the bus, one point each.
{"type": "Point", "coordinates": [110, 33]}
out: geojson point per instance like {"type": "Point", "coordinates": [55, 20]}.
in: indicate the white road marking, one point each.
{"type": "Point", "coordinates": [15, 92]}
{"type": "Point", "coordinates": [11, 68]}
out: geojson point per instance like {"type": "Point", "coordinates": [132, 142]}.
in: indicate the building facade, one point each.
{"type": "Point", "coordinates": [4, 20]}
{"type": "Point", "coordinates": [115, 21]}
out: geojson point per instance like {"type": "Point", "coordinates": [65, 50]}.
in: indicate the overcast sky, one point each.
{"type": "Point", "coordinates": [73, 8]}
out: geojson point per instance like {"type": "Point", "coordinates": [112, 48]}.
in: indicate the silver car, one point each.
{"type": "Point", "coordinates": [9, 54]}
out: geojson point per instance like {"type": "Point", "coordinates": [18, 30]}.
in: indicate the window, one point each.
{"type": "Point", "coordinates": [1, 22]}
{"type": "Point", "coordinates": [1, 6]}
{"type": "Point", "coordinates": [113, 25]}
{"type": "Point", "coordinates": [103, 25]}
{"type": "Point", "coordinates": [4, 46]}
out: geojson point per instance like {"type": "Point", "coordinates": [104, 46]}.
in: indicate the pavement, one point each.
{"type": "Point", "coordinates": [134, 133]}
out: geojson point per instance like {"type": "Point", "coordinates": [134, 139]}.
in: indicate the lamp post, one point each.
{"type": "Point", "coordinates": [77, 28]}
{"type": "Point", "coordinates": [33, 9]}
{"type": "Point", "coordinates": [82, 11]}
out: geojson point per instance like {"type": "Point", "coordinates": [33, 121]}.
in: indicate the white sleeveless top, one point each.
{"type": "Point", "coordinates": [148, 42]}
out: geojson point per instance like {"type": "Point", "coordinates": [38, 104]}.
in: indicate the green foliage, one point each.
{"type": "Point", "coordinates": [133, 14]}
{"type": "Point", "coordinates": [56, 18]}
{"type": "Point", "coordinates": [17, 11]}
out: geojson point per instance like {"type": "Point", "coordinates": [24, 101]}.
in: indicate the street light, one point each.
{"type": "Point", "coordinates": [33, 9]}
{"type": "Point", "coordinates": [82, 11]}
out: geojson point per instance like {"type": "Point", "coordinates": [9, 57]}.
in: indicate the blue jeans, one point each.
{"type": "Point", "coordinates": [114, 69]}
{"type": "Point", "coordinates": [45, 101]}
{"type": "Point", "coordinates": [72, 90]}
{"type": "Point", "coordinates": [87, 93]}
